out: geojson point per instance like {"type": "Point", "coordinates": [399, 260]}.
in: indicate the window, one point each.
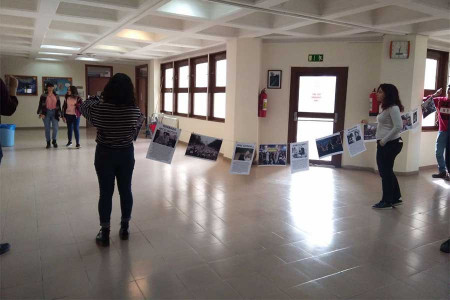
{"type": "Point", "coordinates": [435, 78]}
{"type": "Point", "coordinates": [167, 88]}
{"type": "Point", "coordinates": [197, 88]}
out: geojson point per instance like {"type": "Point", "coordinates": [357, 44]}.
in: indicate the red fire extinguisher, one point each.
{"type": "Point", "coordinates": [373, 104]}
{"type": "Point", "coordinates": [262, 104]}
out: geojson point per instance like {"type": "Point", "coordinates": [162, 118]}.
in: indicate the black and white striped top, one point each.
{"type": "Point", "coordinates": [117, 126]}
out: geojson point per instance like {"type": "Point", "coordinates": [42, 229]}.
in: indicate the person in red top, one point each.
{"type": "Point", "coordinates": [443, 111]}
{"type": "Point", "coordinates": [71, 114]}
{"type": "Point", "coordinates": [49, 110]}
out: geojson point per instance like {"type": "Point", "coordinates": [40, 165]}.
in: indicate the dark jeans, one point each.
{"type": "Point", "coordinates": [73, 124]}
{"type": "Point", "coordinates": [111, 164]}
{"type": "Point", "coordinates": [385, 160]}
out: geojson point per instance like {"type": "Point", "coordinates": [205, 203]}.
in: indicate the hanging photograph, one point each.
{"type": "Point", "coordinates": [370, 132]}
{"type": "Point", "coordinates": [355, 142]}
{"type": "Point", "coordinates": [407, 122]}
{"type": "Point", "coordinates": [61, 84]}
{"type": "Point", "coordinates": [329, 145]}
{"type": "Point", "coordinates": [274, 79]}
{"type": "Point", "coordinates": [202, 146]}
{"type": "Point", "coordinates": [415, 118]}
{"type": "Point", "coordinates": [27, 85]}
{"type": "Point", "coordinates": [163, 144]}
{"type": "Point", "coordinates": [242, 158]}
{"type": "Point", "coordinates": [272, 155]}
{"type": "Point", "coordinates": [428, 107]}
{"type": "Point", "coordinates": [299, 157]}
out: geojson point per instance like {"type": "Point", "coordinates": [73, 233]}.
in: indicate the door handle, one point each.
{"type": "Point", "coordinates": [336, 116]}
{"type": "Point", "coordinates": [295, 116]}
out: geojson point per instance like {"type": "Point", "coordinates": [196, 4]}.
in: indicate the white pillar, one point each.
{"type": "Point", "coordinates": [408, 75]}
{"type": "Point", "coordinates": [243, 74]}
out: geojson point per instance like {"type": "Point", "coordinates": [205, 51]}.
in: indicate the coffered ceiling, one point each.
{"type": "Point", "coordinates": [140, 30]}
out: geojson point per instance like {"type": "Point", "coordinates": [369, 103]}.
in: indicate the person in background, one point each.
{"type": "Point", "coordinates": [443, 111]}
{"type": "Point", "coordinates": [8, 105]}
{"type": "Point", "coordinates": [118, 120]}
{"type": "Point", "coordinates": [49, 110]}
{"type": "Point", "coordinates": [71, 114]}
{"type": "Point", "coordinates": [389, 144]}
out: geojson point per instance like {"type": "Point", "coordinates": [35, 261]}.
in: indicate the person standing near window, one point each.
{"type": "Point", "coordinates": [8, 105]}
{"type": "Point", "coordinates": [389, 144]}
{"type": "Point", "coordinates": [118, 120]}
{"type": "Point", "coordinates": [49, 110]}
{"type": "Point", "coordinates": [443, 111]}
{"type": "Point", "coordinates": [71, 114]}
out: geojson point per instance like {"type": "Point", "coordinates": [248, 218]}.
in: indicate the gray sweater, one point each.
{"type": "Point", "coordinates": [389, 124]}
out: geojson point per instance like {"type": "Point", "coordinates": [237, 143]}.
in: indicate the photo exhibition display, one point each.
{"type": "Point", "coordinates": [299, 157]}
{"type": "Point", "coordinates": [272, 155]}
{"type": "Point", "coordinates": [204, 147]}
{"type": "Point", "coordinates": [163, 144]}
{"type": "Point", "coordinates": [242, 158]}
{"type": "Point", "coordinates": [355, 142]}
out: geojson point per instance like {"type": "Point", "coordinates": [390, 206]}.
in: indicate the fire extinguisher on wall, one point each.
{"type": "Point", "coordinates": [262, 104]}
{"type": "Point", "coordinates": [373, 104]}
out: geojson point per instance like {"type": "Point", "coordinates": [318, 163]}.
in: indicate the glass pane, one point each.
{"type": "Point", "coordinates": [168, 105]}
{"type": "Point", "coordinates": [169, 78]}
{"type": "Point", "coordinates": [317, 94]}
{"type": "Point", "coordinates": [183, 103]}
{"type": "Point", "coordinates": [221, 73]}
{"type": "Point", "coordinates": [309, 129]}
{"type": "Point", "coordinates": [430, 74]}
{"type": "Point", "coordinates": [200, 104]}
{"type": "Point", "coordinates": [201, 75]}
{"type": "Point", "coordinates": [183, 80]}
{"type": "Point", "coordinates": [430, 120]}
{"type": "Point", "coordinates": [219, 105]}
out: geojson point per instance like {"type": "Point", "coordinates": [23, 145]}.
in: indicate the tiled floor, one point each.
{"type": "Point", "coordinates": [199, 232]}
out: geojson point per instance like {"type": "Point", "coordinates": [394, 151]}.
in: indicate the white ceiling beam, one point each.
{"type": "Point", "coordinates": [122, 6]}
{"type": "Point", "coordinates": [47, 11]}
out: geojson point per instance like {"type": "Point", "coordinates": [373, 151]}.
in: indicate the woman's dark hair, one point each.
{"type": "Point", "coordinates": [49, 84]}
{"type": "Point", "coordinates": [119, 91]}
{"type": "Point", "coordinates": [73, 90]}
{"type": "Point", "coordinates": [391, 96]}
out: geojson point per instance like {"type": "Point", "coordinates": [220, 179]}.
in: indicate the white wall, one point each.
{"type": "Point", "coordinates": [25, 115]}
{"type": "Point", "coordinates": [363, 62]}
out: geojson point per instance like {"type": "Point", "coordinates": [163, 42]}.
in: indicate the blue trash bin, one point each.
{"type": "Point", "coordinates": [7, 134]}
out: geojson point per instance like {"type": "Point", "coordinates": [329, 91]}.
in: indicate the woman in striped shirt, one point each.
{"type": "Point", "coordinates": [118, 120]}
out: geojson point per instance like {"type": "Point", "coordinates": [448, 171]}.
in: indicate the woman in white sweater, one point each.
{"type": "Point", "coordinates": [389, 144]}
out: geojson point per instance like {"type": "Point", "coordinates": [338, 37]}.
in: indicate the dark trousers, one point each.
{"type": "Point", "coordinates": [73, 124]}
{"type": "Point", "coordinates": [385, 160]}
{"type": "Point", "coordinates": [111, 164]}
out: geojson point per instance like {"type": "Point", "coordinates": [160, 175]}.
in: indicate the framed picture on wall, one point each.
{"type": "Point", "coordinates": [274, 79]}
{"type": "Point", "coordinates": [27, 85]}
{"type": "Point", "coordinates": [61, 84]}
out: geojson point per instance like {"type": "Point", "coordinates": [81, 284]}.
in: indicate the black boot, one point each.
{"type": "Point", "coordinates": [48, 145]}
{"type": "Point", "coordinates": [123, 232]}
{"type": "Point", "coordinates": [4, 248]}
{"type": "Point", "coordinates": [445, 247]}
{"type": "Point", "coordinates": [102, 238]}
{"type": "Point", "coordinates": [54, 144]}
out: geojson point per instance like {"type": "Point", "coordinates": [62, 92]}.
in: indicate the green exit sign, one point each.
{"type": "Point", "coordinates": [315, 57]}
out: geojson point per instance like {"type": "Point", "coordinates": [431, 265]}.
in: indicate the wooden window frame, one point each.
{"type": "Point", "coordinates": [194, 89]}
{"type": "Point", "coordinates": [441, 80]}
{"type": "Point", "coordinates": [212, 88]}
{"type": "Point", "coordinates": [164, 90]}
{"type": "Point", "coordinates": [177, 89]}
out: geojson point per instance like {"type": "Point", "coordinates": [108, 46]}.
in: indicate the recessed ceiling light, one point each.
{"type": "Point", "coordinates": [88, 59]}
{"type": "Point", "coordinates": [56, 53]}
{"type": "Point", "coordinates": [135, 35]}
{"type": "Point", "coordinates": [60, 47]}
{"type": "Point", "coordinates": [47, 58]}
{"type": "Point", "coordinates": [111, 48]}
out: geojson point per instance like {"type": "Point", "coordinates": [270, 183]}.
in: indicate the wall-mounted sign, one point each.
{"type": "Point", "coordinates": [315, 57]}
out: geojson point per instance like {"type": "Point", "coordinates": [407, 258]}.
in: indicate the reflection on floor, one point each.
{"type": "Point", "coordinates": [199, 232]}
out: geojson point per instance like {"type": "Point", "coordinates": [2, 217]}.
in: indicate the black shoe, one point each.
{"type": "Point", "coordinates": [397, 202]}
{"type": "Point", "coordinates": [69, 144]}
{"type": "Point", "coordinates": [445, 247]}
{"type": "Point", "coordinates": [78, 146]}
{"type": "Point", "coordinates": [382, 205]}
{"type": "Point", "coordinates": [4, 248]}
{"type": "Point", "coordinates": [55, 145]}
{"type": "Point", "coordinates": [102, 238]}
{"type": "Point", "coordinates": [123, 232]}
{"type": "Point", "coordinates": [440, 175]}
{"type": "Point", "coordinates": [48, 145]}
